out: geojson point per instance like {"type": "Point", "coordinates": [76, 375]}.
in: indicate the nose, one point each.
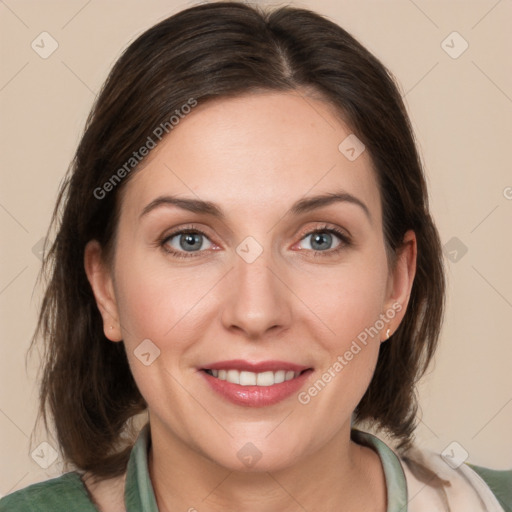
{"type": "Point", "coordinates": [257, 300]}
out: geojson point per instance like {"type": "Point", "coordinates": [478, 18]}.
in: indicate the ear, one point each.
{"type": "Point", "coordinates": [400, 280]}
{"type": "Point", "coordinates": [100, 279]}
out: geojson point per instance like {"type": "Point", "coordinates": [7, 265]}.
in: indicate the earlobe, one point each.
{"type": "Point", "coordinates": [101, 283]}
{"type": "Point", "coordinates": [401, 280]}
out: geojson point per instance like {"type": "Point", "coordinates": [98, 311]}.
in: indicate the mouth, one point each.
{"type": "Point", "coordinates": [255, 384]}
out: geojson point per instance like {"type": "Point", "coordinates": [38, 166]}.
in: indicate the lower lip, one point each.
{"type": "Point", "coordinates": [256, 396]}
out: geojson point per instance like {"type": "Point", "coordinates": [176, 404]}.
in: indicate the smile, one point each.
{"type": "Point", "coordinates": [255, 384]}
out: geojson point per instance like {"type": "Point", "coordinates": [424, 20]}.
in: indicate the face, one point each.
{"type": "Point", "coordinates": [250, 251]}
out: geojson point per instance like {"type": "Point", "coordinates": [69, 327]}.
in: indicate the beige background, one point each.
{"type": "Point", "coordinates": [461, 109]}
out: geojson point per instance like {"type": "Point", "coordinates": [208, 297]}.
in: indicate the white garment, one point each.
{"type": "Point", "coordinates": [466, 492]}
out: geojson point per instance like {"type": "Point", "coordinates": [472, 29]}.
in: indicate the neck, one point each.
{"type": "Point", "coordinates": [341, 475]}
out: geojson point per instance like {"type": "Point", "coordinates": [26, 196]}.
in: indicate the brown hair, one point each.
{"type": "Point", "coordinates": [210, 51]}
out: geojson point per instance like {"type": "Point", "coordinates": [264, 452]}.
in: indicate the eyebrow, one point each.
{"type": "Point", "coordinates": [300, 207]}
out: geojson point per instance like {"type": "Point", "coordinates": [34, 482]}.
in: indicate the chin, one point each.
{"type": "Point", "coordinates": [256, 456]}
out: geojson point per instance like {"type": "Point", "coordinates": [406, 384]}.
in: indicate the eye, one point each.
{"type": "Point", "coordinates": [186, 241]}
{"type": "Point", "coordinates": [325, 240]}
{"type": "Point", "coordinates": [190, 242]}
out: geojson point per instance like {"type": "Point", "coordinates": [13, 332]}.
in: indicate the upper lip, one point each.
{"type": "Point", "coordinates": [256, 367]}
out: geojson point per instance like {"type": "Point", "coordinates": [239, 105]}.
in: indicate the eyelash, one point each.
{"type": "Point", "coordinates": [344, 241]}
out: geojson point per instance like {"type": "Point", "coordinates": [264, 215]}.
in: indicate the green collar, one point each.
{"type": "Point", "coordinates": [139, 494]}
{"type": "Point", "coordinates": [138, 491]}
{"type": "Point", "coordinates": [396, 484]}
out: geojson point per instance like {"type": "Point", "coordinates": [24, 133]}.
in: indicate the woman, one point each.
{"type": "Point", "coordinates": [244, 252]}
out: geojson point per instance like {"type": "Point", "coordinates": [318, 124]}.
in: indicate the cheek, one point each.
{"type": "Point", "coordinates": [347, 299]}
{"type": "Point", "coordinates": [162, 302]}
{"type": "Point", "coordinates": [158, 304]}
{"type": "Point", "coordinates": [154, 305]}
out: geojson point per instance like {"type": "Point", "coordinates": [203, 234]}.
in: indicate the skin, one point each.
{"type": "Point", "coordinates": [254, 156]}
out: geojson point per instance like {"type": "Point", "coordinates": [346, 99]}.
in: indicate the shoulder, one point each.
{"type": "Point", "coordinates": [63, 493]}
{"type": "Point", "coordinates": [461, 486]}
{"type": "Point", "coordinates": [499, 482]}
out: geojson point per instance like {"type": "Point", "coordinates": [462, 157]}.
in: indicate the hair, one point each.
{"type": "Point", "coordinates": [207, 52]}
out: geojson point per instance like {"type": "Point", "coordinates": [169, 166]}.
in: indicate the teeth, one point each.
{"type": "Point", "coordinates": [233, 376]}
{"type": "Point", "coordinates": [244, 378]}
{"type": "Point", "coordinates": [247, 379]}
{"type": "Point", "coordinates": [265, 379]}
{"type": "Point", "coordinates": [279, 376]}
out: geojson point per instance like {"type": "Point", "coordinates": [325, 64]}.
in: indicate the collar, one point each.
{"type": "Point", "coordinates": [138, 491]}
{"type": "Point", "coordinates": [139, 494]}
{"type": "Point", "coordinates": [396, 484]}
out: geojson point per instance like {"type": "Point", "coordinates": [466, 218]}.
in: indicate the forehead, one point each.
{"type": "Point", "coordinates": [255, 153]}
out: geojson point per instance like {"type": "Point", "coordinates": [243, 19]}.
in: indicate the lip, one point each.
{"type": "Point", "coordinates": [256, 396]}
{"type": "Point", "coordinates": [262, 366]}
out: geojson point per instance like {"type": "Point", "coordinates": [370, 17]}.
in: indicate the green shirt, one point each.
{"type": "Point", "coordinates": [68, 493]}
